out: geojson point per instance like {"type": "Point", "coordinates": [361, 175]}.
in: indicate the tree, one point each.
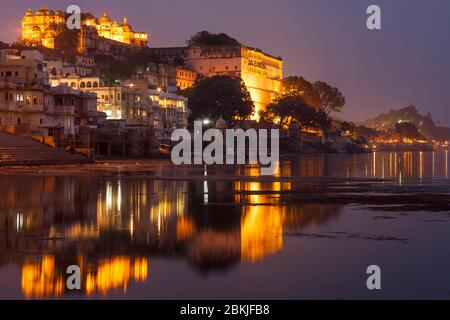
{"type": "Point", "coordinates": [301, 87]}
{"type": "Point", "coordinates": [66, 43]}
{"type": "Point", "coordinates": [329, 98]}
{"type": "Point", "coordinates": [205, 38]}
{"type": "Point", "coordinates": [348, 126]}
{"type": "Point", "coordinates": [407, 130]}
{"type": "Point", "coordinates": [318, 95]}
{"type": "Point", "coordinates": [218, 96]}
{"type": "Point", "coordinates": [293, 107]}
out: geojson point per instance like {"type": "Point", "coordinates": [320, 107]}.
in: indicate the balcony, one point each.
{"type": "Point", "coordinates": [64, 110]}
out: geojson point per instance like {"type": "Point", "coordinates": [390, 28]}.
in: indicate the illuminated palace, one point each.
{"type": "Point", "coordinates": [42, 28]}
{"type": "Point", "coordinates": [261, 72]}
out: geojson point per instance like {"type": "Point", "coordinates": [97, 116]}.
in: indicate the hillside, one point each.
{"type": "Point", "coordinates": [424, 123]}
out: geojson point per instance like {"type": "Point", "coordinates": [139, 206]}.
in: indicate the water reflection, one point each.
{"type": "Point", "coordinates": [396, 166]}
{"type": "Point", "coordinates": [114, 228]}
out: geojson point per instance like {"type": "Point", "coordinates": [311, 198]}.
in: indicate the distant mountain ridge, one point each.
{"type": "Point", "coordinates": [424, 123]}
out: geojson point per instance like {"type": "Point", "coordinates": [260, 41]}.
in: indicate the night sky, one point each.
{"type": "Point", "coordinates": [407, 62]}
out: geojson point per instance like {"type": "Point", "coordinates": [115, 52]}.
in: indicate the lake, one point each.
{"type": "Point", "coordinates": [171, 232]}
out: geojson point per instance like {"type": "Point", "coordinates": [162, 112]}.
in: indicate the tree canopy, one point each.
{"type": "Point", "coordinates": [318, 95]}
{"type": "Point", "coordinates": [205, 38]}
{"type": "Point", "coordinates": [218, 96]}
{"type": "Point", "coordinates": [292, 107]}
{"type": "Point", "coordinates": [407, 130]}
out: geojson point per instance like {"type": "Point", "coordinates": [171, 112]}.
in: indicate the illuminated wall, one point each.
{"type": "Point", "coordinates": [262, 73]}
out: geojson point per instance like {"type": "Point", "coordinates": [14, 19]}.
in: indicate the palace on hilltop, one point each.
{"type": "Point", "coordinates": [43, 26]}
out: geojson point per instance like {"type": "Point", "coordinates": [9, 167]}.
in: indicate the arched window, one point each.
{"type": "Point", "coordinates": [89, 84]}
{"type": "Point", "coordinates": [95, 84]}
{"type": "Point", "coordinates": [82, 85]}
{"type": "Point", "coordinates": [73, 84]}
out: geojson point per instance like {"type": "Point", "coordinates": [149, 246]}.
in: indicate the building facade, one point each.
{"type": "Point", "coordinates": [261, 72]}
{"type": "Point", "coordinates": [43, 26]}
{"type": "Point", "coordinates": [29, 106]}
{"type": "Point", "coordinates": [167, 75]}
{"type": "Point", "coordinates": [134, 103]}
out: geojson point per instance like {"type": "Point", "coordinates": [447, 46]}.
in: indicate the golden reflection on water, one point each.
{"type": "Point", "coordinates": [39, 279]}
{"type": "Point", "coordinates": [43, 279]}
{"type": "Point", "coordinates": [105, 225]}
{"type": "Point", "coordinates": [116, 273]}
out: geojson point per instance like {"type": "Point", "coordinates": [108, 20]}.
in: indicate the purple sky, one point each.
{"type": "Point", "coordinates": [407, 62]}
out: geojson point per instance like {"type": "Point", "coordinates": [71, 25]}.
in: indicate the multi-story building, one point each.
{"type": "Point", "coordinates": [119, 102]}
{"type": "Point", "coordinates": [261, 72]}
{"type": "Point", "coordinates": [166, 75]}
{"type": "Point", "coordinates": [42, 27]}
{"type": "Point", "coordinates": [28, 105]}
{"type": "Point", "coordinates": [134, 103]}
{"type": "Point", "coordinates": [170, 112]}
{"type": "Point", "coordinates": [85, 65]}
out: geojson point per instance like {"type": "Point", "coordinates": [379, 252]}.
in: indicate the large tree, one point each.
{"type": "Point", "coordinates": [205, 38]}
{"type": "Point", "coordinates": [329, 98]}
{"type": "Point", "coordinates": [293, 107]}
{"type": "Point", "coordinates": [218, 96]}
{"type": "Point", "coordinates": [318, 95]}
{"type": "Point", "coordinates": [302, 87]}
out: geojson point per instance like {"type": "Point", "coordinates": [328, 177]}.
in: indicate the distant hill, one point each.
{"type": "Point", "coordinates": [424, 123]}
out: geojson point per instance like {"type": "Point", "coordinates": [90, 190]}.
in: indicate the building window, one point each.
{"type": "Point", "coordinates": [19, 97]}
{"type": "Point", "coordinates": [82, 85]}
{"type": "Point", "coordinates": [6, 96]}
{"type": "Point", "coordinates": [35, 100]}
{"type": "Point", "coordinates": [17, 73]}
{"type": "Point", "coordinates": [28, 100]}
{"type": "Point", "coordinates": [95, 84]}
{"type": "Point", "coordinates": [8, 73]}
{"type": "Point", "coordinates": [89, 84]}
{"type": "Point", "coordinates": [73, 85]}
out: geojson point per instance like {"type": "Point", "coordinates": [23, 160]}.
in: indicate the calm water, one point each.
{"type": "Point", "coordinates": [137, 237]}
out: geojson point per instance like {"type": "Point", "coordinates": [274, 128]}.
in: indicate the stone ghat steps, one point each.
{"type": "Point", "coordinates": [15, 151]}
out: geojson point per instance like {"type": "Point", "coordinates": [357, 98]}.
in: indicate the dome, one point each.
{"type": "Point", "coordinates": [43, 11]}
{"type": "Point", "coordinates": [126, 27]}
{"type": "Point", "coordinates": [58, 13]}
{"type": "Point", "coordinates": [29, 13]}
{"type": "Point", "coordinates": [104, 19]}
{"type": "Point", "coordinates": [221, 123]}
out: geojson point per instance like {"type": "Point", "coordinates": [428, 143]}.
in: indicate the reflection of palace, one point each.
{"type": "Point", "coordinates": [113, 228]}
